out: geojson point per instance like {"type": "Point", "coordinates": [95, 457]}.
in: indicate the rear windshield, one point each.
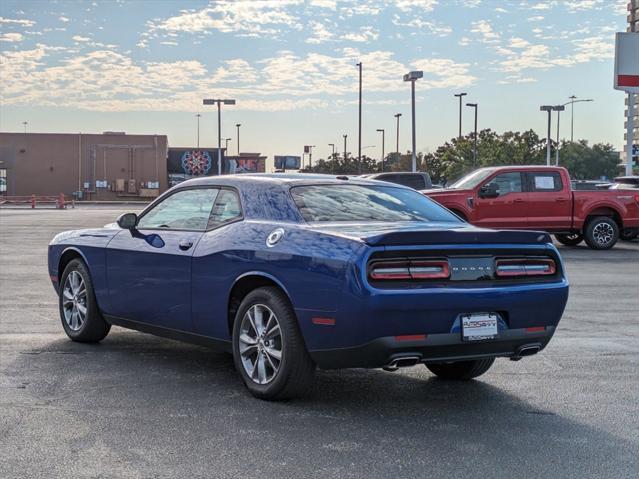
{"type": "Point", "coordinates": [331, 203]}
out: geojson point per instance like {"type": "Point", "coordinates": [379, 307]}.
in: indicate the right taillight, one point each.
{"type": "Point", "coordinates": [410, 269]}
{"type": "Point", "coordinates": [518, 267]}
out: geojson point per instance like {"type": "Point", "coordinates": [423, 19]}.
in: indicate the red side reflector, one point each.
{"type": "Point", "coordinates": [536, 329]}
{"type": "Point", "coordinates": [411, 337]}
{"type": "Point", "coordinates": [53, 278]}
{"type": "Point", "coordinates": [323, 321]}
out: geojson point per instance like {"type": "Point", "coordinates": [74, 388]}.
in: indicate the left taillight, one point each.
{"type": "Point", "coordinates": [518, 267]}
{"type": "Point", "coordinates": [409, 270]}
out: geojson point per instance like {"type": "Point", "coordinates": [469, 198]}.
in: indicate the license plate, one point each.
{"type": "Point", "coordinates": [478, 326]}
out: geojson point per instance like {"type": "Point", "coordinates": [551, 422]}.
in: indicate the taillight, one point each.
{"type": "Point", "coordinates": [637, 199]}
{"type": "Point", "coordinates": [407, 270]}
{"type": "Point", "coordinates": [513, 267]}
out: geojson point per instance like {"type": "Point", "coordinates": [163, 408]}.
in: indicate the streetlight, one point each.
{"type": "Point", "coordinates": [475, 106]}
{"type": "Point", "coordinates": [558, 109]}
{"type": "Point", "coordinates": [198, 130]}
{"type": "Point", "coordinates": [412, 77]}
{"type": "Point", "coordinates": [460, 96]}
{"type": "Point", "coordinates": [227, 144]}
{"type": "Point", "coordinates": [383, 144]}
{"type": "Point", "coordinates": [359, 140]}
{"type": "Point", "coordinates": [238, 125]}
{"type": "Point", "coordinates": [547, 108]}
{"type": "Point", "coordinates": [219, 102]}
{"type": "Point", "coordinates": [397, 115]}
{"type": "Point", "coordinates": [25, 123]}
{"type": "Point", "coordinates": [332, 145]}
{"type": "Point", "coordinates": [573, 100]}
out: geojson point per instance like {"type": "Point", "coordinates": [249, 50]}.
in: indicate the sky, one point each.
{"type": "Point", "coordinates": [144, 67]}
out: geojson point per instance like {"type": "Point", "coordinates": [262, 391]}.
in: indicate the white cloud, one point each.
{"type": "Point", "coordinates": [444, 73]}
{"type": "Point", "coordinates": [485, 30]}
{"type": "Point", "coordinates": [330, 4]}
{"type": "Point", "coordinates": [26, 23]}
{"type": "Point", "coordinates": [319, 33]}
{"type": "Point", "coordinates": [537, 18]}
{"type": "Point", "coordinates": [81, 39]}
{"type": "Point", "coordinates": [365, 34]}
{"type": "Point", "coordinates": [438, 29]}
{"type": "Point", "coordinates": [406, 5]}
{"type": "Point", "coordinates": [11, 37]}
{"type": "Point", "coordinates": [63, 19]}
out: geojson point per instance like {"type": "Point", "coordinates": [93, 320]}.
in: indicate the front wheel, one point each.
{"type": "Point", "coordinates": [81, 318]}
{"type": "Point", "coordinates": [461, 370]}
{"type": "Point", "coordinates": [601, 232]}
{"type": "Point", "coordinates": [569, 239]}
{"type": "Point", "coordinates": [268, 348]}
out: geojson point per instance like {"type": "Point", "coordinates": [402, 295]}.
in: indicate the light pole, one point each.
{"type": "Point", "coordinates": [573, 100]}
{"type": "Point", "coordinates": [383, 144]}
{"type": "Point", "coordinates": [219, 102]}
{"type": "Point", "coordinates": [238, 125]}
{"type": "Point", "coordinates": [460, 96]}
{"type": "Point", "coordinates": [558, 109]}
{"type": "Point", "coordinates": [198, 130]}
{"type": "Point", "coordinates": [547, 108]}
{"type": "Point", "coordinates": [25, 123]}
{"type": "Point", "coordinates": [397, 115]}
{"type": "Point", "coordinates": [227, 145]}
{"type": "Point", "coordinates": [359, 138]}
{"type": "Point", "coordinates": [475, 106]}
{"type": "Point", "coordinates": [332, 145]}
{"type": "Point", "coordinates": [412, 77]}
{"type": "Point", "coordinates": [345, 136]}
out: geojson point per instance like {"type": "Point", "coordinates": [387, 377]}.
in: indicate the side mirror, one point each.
{"type": "Point", "coordinates": [491, 190]}
{"type": "Point", "coordinates": [127, 221]}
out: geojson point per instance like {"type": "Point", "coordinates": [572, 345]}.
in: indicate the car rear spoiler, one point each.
{"type": "Point", "coordinates": [466, 236]}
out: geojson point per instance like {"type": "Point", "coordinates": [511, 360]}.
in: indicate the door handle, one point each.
{"type": "Point", "coordinates": [185, 244]}
{"type": "Point", "coordinates": [561, 199]}
{"type": "Point", "coordinates": [518, 200]}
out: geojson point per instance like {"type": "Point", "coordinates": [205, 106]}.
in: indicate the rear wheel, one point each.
{"type": "Point", "coordinates": [601, 232]}
{"type": "Point", "coordinates": [461, 370]}
{"type": "Point", "coordinates": [572, 239]}
{"type": "Point", "coordinates": [268, 348]}
{"type": "Point", "coordinates": [79, 312]}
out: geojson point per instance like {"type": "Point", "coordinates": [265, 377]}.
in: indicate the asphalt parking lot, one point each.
{"type": "Point", "coordinates": [143, 407]}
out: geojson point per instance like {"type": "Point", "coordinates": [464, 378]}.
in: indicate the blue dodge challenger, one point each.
{"type": "Point", "coordinates": [295, 272]}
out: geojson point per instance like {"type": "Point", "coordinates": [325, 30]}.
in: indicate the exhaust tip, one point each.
{"type": "Point", "coordinates": [526, 350]}
{"type": "Point", "coordinates": [402, 362]}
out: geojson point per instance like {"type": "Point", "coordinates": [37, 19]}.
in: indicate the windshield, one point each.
{"type": "Point", "coordinates": [471, 180]}
{"type": "Point", "coordinates": [355, 203]}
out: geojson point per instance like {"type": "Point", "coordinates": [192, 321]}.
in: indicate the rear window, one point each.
{"type": "Point", "coordinates": [416, 181]}
{"type": "Point", "coordinates": [334, 203]}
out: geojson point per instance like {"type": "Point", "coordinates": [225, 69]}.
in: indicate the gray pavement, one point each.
{"type": "Point", "coordinates": [143, 407]}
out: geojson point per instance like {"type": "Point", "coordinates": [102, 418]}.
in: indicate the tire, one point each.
{"type": "Point", "coordinates": [255, 334]}
{"type": "Point", "coordinates": [570, 239]}
{"type": "Point", "coordinates": [461, 370]}
{"type": "Point", "coordinates": [601, 232]}
{"type": "Point", "coordinates": [76, 293]}
{"type": "Point", "coordinates": [628, 236]}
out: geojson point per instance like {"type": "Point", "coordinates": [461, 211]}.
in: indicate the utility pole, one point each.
{"type": "Point", "coordinates": [198, 130]}
{"type": "Point", "coordinates": [573, 100]}
{"type": "Point", "coordinates": [359, 140]}
{"type": "Point", "coordinates": [383, 143]}
{"type": "Point", "coordinates": [238, 125]}
{"type": "Point", "coordinates": [558, 109]}
{"type": "Point", "coordinates": [412, 77]}
{"type": "Point", "coordinates": [25, 123]}
{"type": "Point", "coordinates": [332, 145]}
{"type": "Point", "coordinates": [397, 115]}
{"type": "Point", "coordinates": [548, 109]}
{"type": "Point", "coordinates": [460, 96]}
{"type": "Point", "coordinates": [476, 107]}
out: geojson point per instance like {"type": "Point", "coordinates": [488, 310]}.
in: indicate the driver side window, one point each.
{"type": "Point", "coordinates": [187, 210]}
{"type": "Point", "coordinates": [507, 183]}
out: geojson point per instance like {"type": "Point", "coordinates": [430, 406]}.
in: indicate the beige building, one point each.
{"type": "Point", "coordinates": [108, 166]}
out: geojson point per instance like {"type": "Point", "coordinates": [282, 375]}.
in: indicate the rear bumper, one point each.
{"type": "Point", "coordinates": [433, 348]}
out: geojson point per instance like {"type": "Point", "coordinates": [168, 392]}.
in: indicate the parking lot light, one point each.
{"type": "Point", "coordinates": [412, 77]}
{"type": "Point", "coordinates": [219, 102]}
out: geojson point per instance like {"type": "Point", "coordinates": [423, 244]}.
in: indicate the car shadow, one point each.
{"type": "Point", "coordinates": [145, 386]}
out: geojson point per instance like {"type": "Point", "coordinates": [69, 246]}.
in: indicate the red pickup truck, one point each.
{"type": "Point", "coordinates": [541, 198]}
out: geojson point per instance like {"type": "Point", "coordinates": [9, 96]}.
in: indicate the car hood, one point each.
{"type": "Point", "coordinates": [442, 193]}
{"type": "Point", "coordinates": [378, 234]}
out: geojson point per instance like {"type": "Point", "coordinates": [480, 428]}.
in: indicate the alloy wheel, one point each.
{"type": "Point", "coordinates": [260, 344]}
{"type": "Point", "coordinates": [603, 233]}
{"type": "Point", "coordinates": [74, 300]}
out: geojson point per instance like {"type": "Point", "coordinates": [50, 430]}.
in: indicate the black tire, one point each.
{"type": "Point", "coordinates": [461, 370]}
{"type": "Point", "coordinates": [572, 239]}
{"type": "Point", "coordinates": [296, 371]}
{"type": "Point", "coordinates": [93, 327]}
{"type": "Point", "coordinates": [601, 232]}
{"type": "Point", "coordinates": [628, 235]}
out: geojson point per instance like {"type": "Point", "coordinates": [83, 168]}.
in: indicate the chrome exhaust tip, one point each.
{"type": "Point", "coordinates": [526, 350]}
{"type": "Point", "coordinates": [402, 362]}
